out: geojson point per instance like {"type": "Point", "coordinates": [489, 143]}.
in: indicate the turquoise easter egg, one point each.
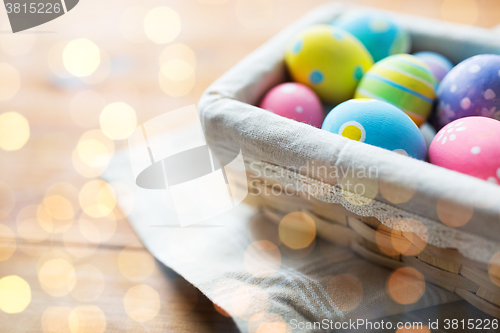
{"type": "Point", "coordinates": [378, 124]}
{"type": "Point", "coordinates": [329, 60]}
{"type": "Point", "coordinates": [404, 81]}
{"type": "Point", "coordinates": [381, 35]}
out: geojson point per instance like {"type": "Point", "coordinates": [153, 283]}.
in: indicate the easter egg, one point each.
{"type": "Point", "coordinates": [469, 145]}
{"type": "Point", "coordinates": [404, 81]}
{"type": "Point", "coordinates": [472, 88]}
{"type": "Point", "coordinates": [377, 123]}
{"type": "Point", "coordinates": [329, 60]}
{"type": "Point", "coordinates": [439, 64]}
{"type": "Point", "coordinates": [378, 32]}
{"type": "Point", "coordinates": [294, 101]}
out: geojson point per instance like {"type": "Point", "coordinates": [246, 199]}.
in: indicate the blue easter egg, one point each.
{"type": "Point", "coordinates": [377, 123]}
{"type": "Point", "coordinates": [472, 88]}
{"type": "Point", "coordinates": [378, 32]}
{"type": "Point", "coordinates": [439, 64]}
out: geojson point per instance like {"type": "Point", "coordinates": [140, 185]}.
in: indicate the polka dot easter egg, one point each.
{"type": "Point", "coordinates": [404, 81]}
{"type": "Point", "coordinates": [378, 32]}
{"type": "Point", "coordinates": [472, 88]}
{"type": "Point", "coordinates": [469, 145]}
{"type": "Point", "coordinates": [379, 124]}
{"type": "Point", "coordinates": [294, 101]}
{"type": "Point", "coordinates": [329, 60]}
{"type": "Point", "coordinates": [439, 64]}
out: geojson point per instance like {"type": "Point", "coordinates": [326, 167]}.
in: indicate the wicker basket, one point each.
{"type": "Point", "coordinates": [232, 123]}
{"type": "Point", "coordinates": [373, 241]}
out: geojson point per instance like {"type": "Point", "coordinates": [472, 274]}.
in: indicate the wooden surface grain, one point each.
{"type": "Point", "coordinates": [83, 267]}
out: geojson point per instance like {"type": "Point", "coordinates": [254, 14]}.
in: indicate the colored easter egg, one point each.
{"type": "Point", "coordinates": [404, 81]}
{"type": "Point", "coordinates": [472, 88]}
{"type": "Point", "coordinates": [294, 101]}
{"type": "Point", "coordinates": [377, 123]}
{"type": "Point", "coordinates": [377, 31]}
{"type": "Point", "coordinates": [329, 60]}
{"type": "Point", "coordinates": [439, 64]}
{"type": "Point", "coordinates": [469, 145]}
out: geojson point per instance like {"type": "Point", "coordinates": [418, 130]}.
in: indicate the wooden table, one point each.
{"type": "Point", "coordinates": [87, 274]}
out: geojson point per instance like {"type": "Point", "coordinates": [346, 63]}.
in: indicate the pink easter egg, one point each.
{"type": "Point", "coordinates": [294, 101]}
{"type": "Point", "coordinates": [469, 145]}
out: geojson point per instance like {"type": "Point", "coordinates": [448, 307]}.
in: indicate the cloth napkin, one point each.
{"type": "Point", "coordinates": [239, 262]}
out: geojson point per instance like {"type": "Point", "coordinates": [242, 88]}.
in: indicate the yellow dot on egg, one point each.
{"type": "Point", "coordinates": [352, 132]}
{"type": "Point", "coordinates": [15, 294]}
{"type": "Point", "coordinates": [81, 57]}
{"type": "Point", "coordinates": [14, 131]}
{"type": "Point", "coordinates": [162, 25]}
{"type": "Point", "coordinates": [118, 120]}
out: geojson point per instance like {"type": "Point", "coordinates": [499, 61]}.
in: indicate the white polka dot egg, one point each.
{"type": "Point", "coordinates": [469, 145]}
{"type": "Point", "coordinates": [379, 124]}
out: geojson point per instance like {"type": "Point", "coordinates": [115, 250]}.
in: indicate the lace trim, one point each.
{"type": "Point", "coordinates": [433, 232]}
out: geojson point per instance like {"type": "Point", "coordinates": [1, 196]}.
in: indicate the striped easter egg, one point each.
{"type": "Point", "coordinates": [404, 81]}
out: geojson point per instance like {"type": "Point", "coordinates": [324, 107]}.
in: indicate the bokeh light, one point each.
{"type": "Point", "coordinates": [462, 11]}
{"type": "Point", "coordinates": [59, 207]}
{"type": "Point", "coordinates": [14, 129]}
{"type": "Point", "coordinates": [254, 14]}
{"type": "Point", "coordinates": [358, 188]}
{"type": "Point", "coordinates": [177, 77]}
{"type": "Point", "coordinates": [97, 230]}
{"type": "Point", "coordinates": [142, 303]}
{"type": "Point", "coordinates": [452, 213]}
{"type": "Point", "coordinates": [10, 83]}
{"type": "Point", "coordinates": [15, 294]}
{"type": "Point", "coordinates": [93, 153]}
{"type": "Point", "coordinates": [162, 25]}
{"type": "Point", "coordinates": [297, 230]}
{"type": "Point", "coordinates": [87, 319]}
{"type": "Point", "coordinates": [81, 57]}
{"type": "Point", "coordinates": [56, 319]}
{"type": "Point", "coordinates": [85, 108]}
{"type": "Point", "coordinates": [118, 120]}
{"type": "Point", "coordinates": [57, 277]}
{"type": "Point", "coordinates": [345, 291]}
{"type": "Point", "coordinates": [89, 283]}
{"type": "Point", "coordinates": [8, 243]}
{"type": "Point", "coordinates": [397, 193]}
{"type": "Point", "coordinates": [136, 264]}
{"type": "Point", "coordinates": [97, 198]}
{"type": "Point", "coordinates": [268, 323]}
{"type": "Point", "coordinates": [7, 200]}
{"type": "Point", "coordinates": [405, 237]}
{"type": "Point", "coordinates": [178, 52]}
{"type": "Point", "coordinates": [406, 285]}
{"type": "Point", "coordinates": [262, 259]}
{"type": "Point", "coordinates": [494, 269]}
